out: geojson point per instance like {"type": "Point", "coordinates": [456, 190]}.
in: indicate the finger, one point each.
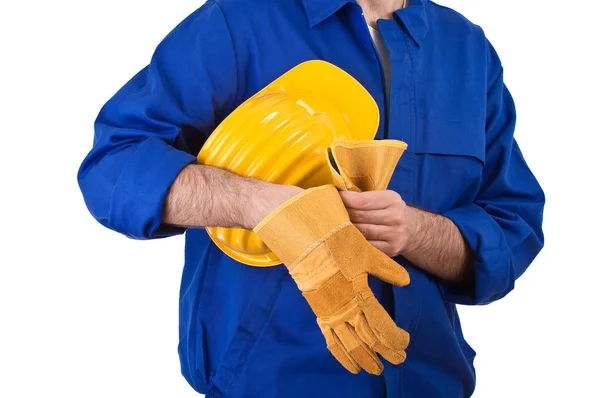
{"type": "Point", "coordinates": [358, 350]}
{"type": "Point", "coordinates": [374, 231]}
{"type": "Point", "coordinates": [378, 217]}
{"type": "Point", "coordinates": [373, 200]}
{"type": "Point", "coordinates": [335, 346]}
{"type": "Point", "coordinates": [365, 332]}
{"type": "Point", "coordinates": [384, 328]}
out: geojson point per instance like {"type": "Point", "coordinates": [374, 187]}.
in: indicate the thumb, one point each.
{"type": "Point", "coordinates": [388, 270]}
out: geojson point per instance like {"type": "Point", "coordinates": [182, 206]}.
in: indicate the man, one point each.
{"type": "Point", "coordinates": [462, 213]}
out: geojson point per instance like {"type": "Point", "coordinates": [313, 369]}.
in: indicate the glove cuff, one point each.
{"type": "Point", "coordinates": [364, 165]}
{"type": "Point", "coordinates": [300, 224]}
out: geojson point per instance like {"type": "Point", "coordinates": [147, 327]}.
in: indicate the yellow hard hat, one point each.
{"type": "Point", "coordinates": [281, 135]}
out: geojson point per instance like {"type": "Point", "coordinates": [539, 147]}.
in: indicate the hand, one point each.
{"type": "Point", "coordinates": [383, 218]}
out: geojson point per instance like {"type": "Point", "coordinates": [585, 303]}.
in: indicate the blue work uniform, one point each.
{"type": "Point", "coordinates": [248, 332]}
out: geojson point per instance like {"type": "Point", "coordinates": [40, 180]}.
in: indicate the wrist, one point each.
{"type": "Point", "coordinates": [413, 228]}
{"type": "Point", "coordinates": [267, 197]}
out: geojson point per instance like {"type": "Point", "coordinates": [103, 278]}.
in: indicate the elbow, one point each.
{"type": "Point", "coordinates": [114, 208]}
{"type": "Point", "coordinates": [495, 279]}
{"type": "Point", "coordinates": [124, 188]}
{"type": "Point", "coordinates": [98, 179]}
{"type": "Point", "coordinates": [97, 191]}
{"type": "Point", "coordinates": [527, 251]}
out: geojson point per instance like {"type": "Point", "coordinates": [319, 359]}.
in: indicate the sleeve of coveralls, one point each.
{"type": "Point", "coordinates": [503, 226]}
{"type": "Point", "coordinates": [139, 148]}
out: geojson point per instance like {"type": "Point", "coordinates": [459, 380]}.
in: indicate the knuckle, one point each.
{"type": "Point", "coordinates": [398, 199]}
{"type": "Point", "coordinates": [394, 195]}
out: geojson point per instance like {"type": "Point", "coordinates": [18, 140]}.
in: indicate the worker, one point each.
{"type": "Point", "coordinates": [459, 221]}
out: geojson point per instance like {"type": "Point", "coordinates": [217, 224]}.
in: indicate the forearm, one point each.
{"type": "Point", "coordinates": [437, 246]}
{"type": "Point", "coordinates": [204, 196]}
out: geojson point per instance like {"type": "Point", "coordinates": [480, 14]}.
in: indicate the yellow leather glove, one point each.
{"type": "Point", "coordinates": [330, 260]}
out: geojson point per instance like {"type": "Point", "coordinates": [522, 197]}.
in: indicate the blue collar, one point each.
{"type": "Point", "coordinates": [413, 17]}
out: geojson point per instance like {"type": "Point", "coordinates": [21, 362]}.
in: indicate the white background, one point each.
{"type": "Point", "coordinates": [85, 312]}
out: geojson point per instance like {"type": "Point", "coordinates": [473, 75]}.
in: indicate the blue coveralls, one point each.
{"type": "Point", "coordinates": [248, 332]}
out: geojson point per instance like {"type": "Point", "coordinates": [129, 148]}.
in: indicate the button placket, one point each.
{"type": "Point", "coordinates": [401, 115]}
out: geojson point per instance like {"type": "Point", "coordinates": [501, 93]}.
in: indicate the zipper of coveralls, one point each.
{"type": "Point", "coordinates": [382, 77]}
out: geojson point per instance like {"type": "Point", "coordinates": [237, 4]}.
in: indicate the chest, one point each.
{"type": "Point", "coordinates": [436, 101]}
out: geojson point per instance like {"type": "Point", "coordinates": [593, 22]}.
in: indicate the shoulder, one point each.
{"type": "Point", "coordinates": [222, 18]}
{"type": "Point", "coordinates": [446, 21]}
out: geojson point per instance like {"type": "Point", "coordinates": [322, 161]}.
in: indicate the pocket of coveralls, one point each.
{"type": "Point", "coordinates": [449, 160]}
{"type": "Point", "coordinates": [453, 124]}
{"type": "Point", "coordinates": [452, 138]}
{"type": "Point", "coordinates": [249, 329]}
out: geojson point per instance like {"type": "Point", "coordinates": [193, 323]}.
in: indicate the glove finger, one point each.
{"type": "Point", "coordinates": [365, 332]}
{"type": "Point", "coordinates": [367, 258]}
{"type": "Point", "coordinates": [383, 327]}
{"type": "Point", "coordinates": [358, 350]}
{"type": "Point", "coordinates": [334, 345]}
{"type": "Point", "coordinates": [388, 270]}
